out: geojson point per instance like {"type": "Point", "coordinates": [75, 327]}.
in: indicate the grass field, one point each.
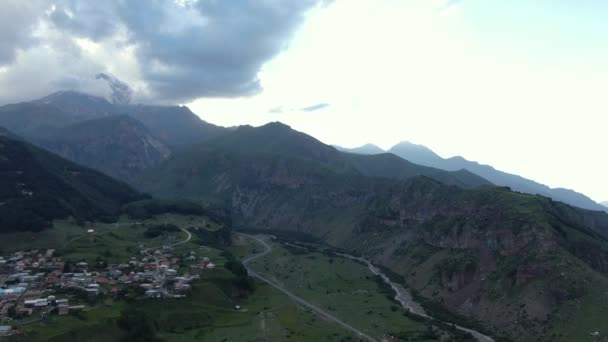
{"type": "Point", "coordinates": [207, 314]}
{"type": "Point", "coordinates": [343, 287]}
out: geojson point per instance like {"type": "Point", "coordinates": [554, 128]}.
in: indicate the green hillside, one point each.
{"type": "Point", "coordinates": [518, 265]}
{"type": "Point", "coordinates": [279, 145]}
{"type": "Point", "coordinates": [37, 187]}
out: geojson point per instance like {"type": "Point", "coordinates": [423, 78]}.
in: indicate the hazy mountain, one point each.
{"type": "Point", "coordinates": [276, 141]}
{"type": "Point", "coordinates": [365, 149]}
{"type": "Point", "coordinates": [119, 140]}
{"type": "Point", "coordinates": [37, 186]}
{"type": "Point", "coordinates": [605, 204]}
{"type": "Point", "coordinates": [119, 146]}
{"type": "Point", "coordinates": [35, 120]}
{"type": "Point", "coordinates": [424, 156]}
{"type": "Point", "coordinates": [175, 125]}
{"type": "Point", "coordinates": [486, 253]}
{"type": "Point", "coordinates": [78, 104]}
{"type": "Point", "coordinates": [417, 153]}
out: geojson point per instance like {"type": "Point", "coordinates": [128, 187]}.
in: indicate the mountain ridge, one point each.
{"type": "Point", "coordinates": [38, 186]}
{"type": "Point", "coordinates": [463, 248]}
{"type": "Point", "coordinates": [424, 156]}
{"type": "Point", "coordinates": [364, 149]}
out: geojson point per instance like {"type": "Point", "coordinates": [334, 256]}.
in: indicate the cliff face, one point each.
{"type": "Point", "coordinates": [117, 146]}
{"type": "Point", "coordinates": [514, 262]}
{"type": "Point", "coordinates": [488, 254]}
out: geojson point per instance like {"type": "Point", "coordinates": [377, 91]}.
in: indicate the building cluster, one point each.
{"type": "Point", "coordinates": [39, 283]}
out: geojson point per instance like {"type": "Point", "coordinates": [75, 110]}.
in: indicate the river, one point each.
{"type": "Point", "coordinates": [404, 297]}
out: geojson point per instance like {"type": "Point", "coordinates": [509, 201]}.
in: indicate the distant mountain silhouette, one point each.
{"type": "Point", "coordinates": [605, 204]}
{"type": "Point", "coordinates": [365, 149]}
{"type": "Point", "coordinates": [424, 156]}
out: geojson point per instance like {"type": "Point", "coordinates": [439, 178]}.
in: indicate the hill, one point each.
{"type": "Point", "coordinates": [119, 146]}
{"type": "Point", "coordinates": [278, 149]}
{"type": "Point", "coordinates": [38, 186]}
{"type": "Point", "coordinates": [365, 149]}
{"type": "Point", "coordinates": [521, 266]}
{"type": "Point", "coordinates": [424, 156]}
{"type": "Point", "coordinates": [605, 204]}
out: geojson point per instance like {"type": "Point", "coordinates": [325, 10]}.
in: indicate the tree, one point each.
{"type": "Point", "coordinates": [137, 326]}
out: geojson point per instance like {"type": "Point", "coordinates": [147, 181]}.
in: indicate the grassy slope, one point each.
{"type": "Point", "coordinates": [37, 186]}
{"type": "Point", "coordinates": [207, 314]}
{"type": "Point", "coordinates": [343, 287]}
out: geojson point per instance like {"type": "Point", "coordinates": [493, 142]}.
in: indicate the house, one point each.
{"type": "Point", "coordinates": [5, 330]}
{"type": "Point", "coordinates": [92, 292]}
{"type": "Point", "coordinates": [63, 309]}
{"type": "Point", "coordinates": [153, 294]}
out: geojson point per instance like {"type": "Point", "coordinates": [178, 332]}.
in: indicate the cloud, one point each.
{"type": "Point", "coordinates": [446, 5]}
{"type": "Point", "coordinates": [316, 107]}
{"type": "Point", "coordinates": [181, 50]}
{"type": "Point", "coordinates": [121, 92]}
{"type": "Point", "coordinates": [277, 110]}
{"type": "Point", "coordinates": [18, 19]}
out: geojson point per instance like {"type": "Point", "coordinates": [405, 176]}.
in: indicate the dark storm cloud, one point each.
{"type": "Point", "coordinates": [205, 48]}
{"type": "Point", "coordinates": [316, 107]}
{"type": "Point", "coordinates": [18, 19]}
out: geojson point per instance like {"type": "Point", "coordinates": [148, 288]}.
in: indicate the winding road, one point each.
{"type": "Point", "coordinates": [402, 295]}
{"type": "Point", "coordinates": [147, 250]}
{"type": "Point", "coordinates": [328, 316]}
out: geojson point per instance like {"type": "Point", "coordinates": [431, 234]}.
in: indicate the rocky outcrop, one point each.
{"type": "Point", "coordinates": [117, 146]}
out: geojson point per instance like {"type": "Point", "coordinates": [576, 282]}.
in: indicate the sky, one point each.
{"type": "Point", "coordinates": [518, 84]}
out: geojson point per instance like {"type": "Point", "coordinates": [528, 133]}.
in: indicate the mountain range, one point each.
{"type": "Point", "coordinates": [119, 140]}
{"type": "Point", "coordinates": [424, 156]}
{"type": "Point", "coordinates": [365, 149]}
{"type": "Point", "coordinates": [519, 264]}
{"type": "Point", "coordinates": [523, 266]}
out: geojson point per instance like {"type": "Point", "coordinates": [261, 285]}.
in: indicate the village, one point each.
{"type": "Point", "coordinates": [37, 283]}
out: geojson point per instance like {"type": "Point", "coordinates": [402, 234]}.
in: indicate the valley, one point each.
{"type": "Point", "coordinates": [392, 250]}
{"type": "Point", "coordinates": [211, 309]}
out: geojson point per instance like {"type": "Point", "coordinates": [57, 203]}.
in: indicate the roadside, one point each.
{"type": "Point", "coordinates": [267, 250]}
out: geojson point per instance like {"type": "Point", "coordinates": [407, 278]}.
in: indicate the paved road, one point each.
{"type": "Point", "coordinates": [147, 250]}
{"type": "Point", "coordinates": [330, 317]}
